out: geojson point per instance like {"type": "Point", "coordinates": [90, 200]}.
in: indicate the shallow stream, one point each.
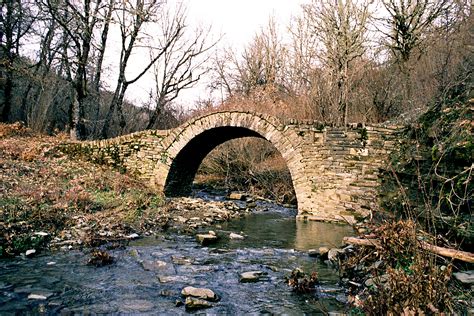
{"type": "Point", "coordinates": [148, 275]}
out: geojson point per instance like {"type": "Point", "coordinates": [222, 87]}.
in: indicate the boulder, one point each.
{"type": "Point", "coordinates": [334, 253]}
{"type": "Point", "coordinates": [30, 252]}
{"type": "Point", "coordinates": [236, 236]}
{"type": "Point", "coordinates": [197, 292]}
{"type": "Point", "coordinates": [237, 196]}
{"type": "Point", "coordinates": [193, 303]}
{"type": "Point", "coordinates": [465, 277]}
{"type": "Point", "coordinates": [251, 276]}
{"type": "Point", "coordinates": [206, 239]}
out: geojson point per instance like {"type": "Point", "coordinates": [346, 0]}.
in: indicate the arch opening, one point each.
{"type": "Point", "coordinates": [187, 162]}
{"type": "Point", "coordinates": [251, 165]}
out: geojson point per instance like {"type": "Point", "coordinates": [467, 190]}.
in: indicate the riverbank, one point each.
{"type": "Point", "coordinates": [48, 200]}
{"type": "Point", "coordinates": [395, 268]}
{"type": "Point", "coordinates": [150, 274]}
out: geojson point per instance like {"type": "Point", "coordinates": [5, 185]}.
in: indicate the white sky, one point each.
{"type": "Point", "coordinates": [239, 20]}
{"type": "Point", "coordinates": [236, 20]}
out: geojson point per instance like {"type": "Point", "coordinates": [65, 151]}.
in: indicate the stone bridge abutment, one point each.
{"type": "Point", "coordinates": [334, 170]}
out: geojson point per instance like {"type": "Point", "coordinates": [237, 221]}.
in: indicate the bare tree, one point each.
{"type": "Point", "coordinates": [36, 74]}
{"type": "Point", "coordinates": [78, 21]}
{"type": "Point", "coordinates": [101, 46]}
{"type": "Point", "coordinates": [16, 20]}
{"type": "Point", "coordinates": [182, 63]}
{"type": "Point", "coordinates": [100, 49]}
{"type": "Point", "coordinates": [407, 22]}
{"type": "Point", "coordinates": [132, 17]}
{"type": "Point", "coordinates": [341, 28]}
{"type": "Point", "coordinates": [261, 64]}
{"type": "Point", "coordinates": [303, 54]}
{"type": "Point", "coordinates": [221, 75]}
{"type": "Point", "coordinates": [406, 25]}
{"type": "Point", "coordinates": [305, 76]}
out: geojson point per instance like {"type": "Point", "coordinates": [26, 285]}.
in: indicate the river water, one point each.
{"type": "Point", "coordinates": [148, 275]}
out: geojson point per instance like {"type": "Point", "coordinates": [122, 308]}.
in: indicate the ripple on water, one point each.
{"type": "Point", "coordinates": [274, 244]}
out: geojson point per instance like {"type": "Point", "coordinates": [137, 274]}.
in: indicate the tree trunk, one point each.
{"type": "Point", "coordinates": [156, 112]}
{"type": "Point", "coordinates": [151, 123]}
{"type": "Point", "coordinates": [116, 103]}
{"type": "Point", "coordinates": [8, 54]}
{"type": "Point", "coordinates": [7, 103]}
{"type": "Point", "coordinates": [77, 129]}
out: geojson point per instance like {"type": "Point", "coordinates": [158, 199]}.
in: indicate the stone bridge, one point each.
{"type": "Point", "coordinates": [334, 170]}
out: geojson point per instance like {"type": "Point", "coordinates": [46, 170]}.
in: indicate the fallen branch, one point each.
{"type": "Point", "coordinates": [361, 242]}
{"type": "Point", "coordinates": [445, 252]}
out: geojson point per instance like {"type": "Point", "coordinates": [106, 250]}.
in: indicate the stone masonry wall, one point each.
{"type": "Point", "coordinates": [343, 167]}
{"type": "Point", "coordinates": [137, 153]}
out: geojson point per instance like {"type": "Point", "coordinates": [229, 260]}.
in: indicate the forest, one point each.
{"type": "Point", "coordinates": [68, 65]}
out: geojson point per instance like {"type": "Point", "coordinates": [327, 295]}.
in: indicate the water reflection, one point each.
{"type": "Point", "coordinates": [281, 231]}
{"type": "Point", "coordinates": [312, 235]}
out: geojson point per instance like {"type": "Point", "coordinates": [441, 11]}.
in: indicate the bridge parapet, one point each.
{"type": "Point", "coordinates": [136, 153]}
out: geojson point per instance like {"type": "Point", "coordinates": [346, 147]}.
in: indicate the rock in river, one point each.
{"type": "Point", "coordinates": [137, 305]}
{"type": "Point", "coordinates": [323, 252]}
{"type": "Point", "coordinates": [158, 265]}
{"type": "Point", "coordinates": [30, 252]}
{"type": "Point", "coordinates": [237, 196]}
{"type": "Point", "coordinates": [206, 239]}
{"type": "Point", "coordinates": [40, 296]}
{"type": "Point", "coordinates": [334, 253]}
{"type": "Point", "coordinates": [236, 236]}
{"type": "Point", "coordinates": [172, 278]}
{"type": "Point", "coordinates": [203, 293]}
{"type": "Point", "coordinates": [133, 236]}
{"type": "Point", "coordinates": [192, 303]}
{"type": "Point", "coordinates": [466, 277]}
{"type": "Point", "coordinates": [251, 276]}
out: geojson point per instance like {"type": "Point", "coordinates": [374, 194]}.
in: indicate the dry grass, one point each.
{"type": "Point", "coordinates": [262, 100]}
{"type": "Point", "coordinates": [400, 277]}
{"type": "Point", "coordinates": [42, 190]}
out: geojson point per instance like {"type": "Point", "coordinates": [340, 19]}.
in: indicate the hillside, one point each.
{"type": "Point", "coordinates": [50, 200]}
{"type": "Point", "coordinates": [431, 179]}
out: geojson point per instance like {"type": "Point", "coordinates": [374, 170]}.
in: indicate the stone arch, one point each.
{"type": "Point", "coordinates": [189, 144]}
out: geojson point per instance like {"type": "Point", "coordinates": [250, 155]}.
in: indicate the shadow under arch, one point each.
{"type": "Point", "coordinates": [185, 165]}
